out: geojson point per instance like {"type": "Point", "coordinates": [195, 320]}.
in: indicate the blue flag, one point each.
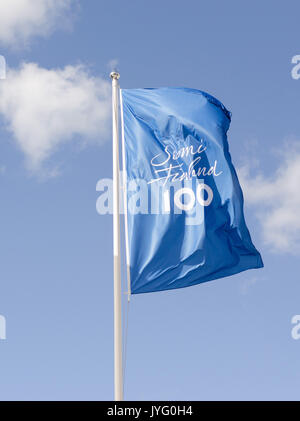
{"type": "Point", "coordinates": [185, 221]}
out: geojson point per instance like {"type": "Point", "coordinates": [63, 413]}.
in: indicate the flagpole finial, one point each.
{"type": "Point", "coordinates": [115, 75]}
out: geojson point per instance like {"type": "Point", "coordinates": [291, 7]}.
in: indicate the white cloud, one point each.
{"type": "Point", "coordinates": [46, 108]}
{"type": "Point", "coordinates": [21, 20]}
{"type": "Point", "coordinates": [276, 200]}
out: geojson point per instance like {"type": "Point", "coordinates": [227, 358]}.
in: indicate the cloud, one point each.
{"type": "Point", "coordinates": [44, 109]}
{"type": "Point", "coordinates": [21, 20]}
{"type": "Point", "coordinates": [276, 200]}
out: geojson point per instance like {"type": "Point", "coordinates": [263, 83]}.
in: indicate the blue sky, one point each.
{"type": "Point", "coordinates": [226, 339]}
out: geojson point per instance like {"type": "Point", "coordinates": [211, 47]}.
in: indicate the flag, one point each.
{"type": "Point", "coordinates": [184, 204]}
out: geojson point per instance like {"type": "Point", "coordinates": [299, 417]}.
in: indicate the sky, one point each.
{"type": "Point", "coordinates": [228, 339]}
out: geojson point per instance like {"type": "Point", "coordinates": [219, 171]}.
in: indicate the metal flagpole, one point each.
{"type": "Point", "coordinates": [118, 370]}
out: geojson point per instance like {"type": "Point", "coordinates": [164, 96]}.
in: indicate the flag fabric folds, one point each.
{"type": "Point", "coordinates": [184, 203]}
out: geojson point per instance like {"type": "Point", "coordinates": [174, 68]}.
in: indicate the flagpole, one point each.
{"type": "Point", "coordinates": [118, 370]}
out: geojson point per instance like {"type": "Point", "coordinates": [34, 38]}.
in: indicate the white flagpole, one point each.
{"type": "Point", "coordinates": [118, 370]}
